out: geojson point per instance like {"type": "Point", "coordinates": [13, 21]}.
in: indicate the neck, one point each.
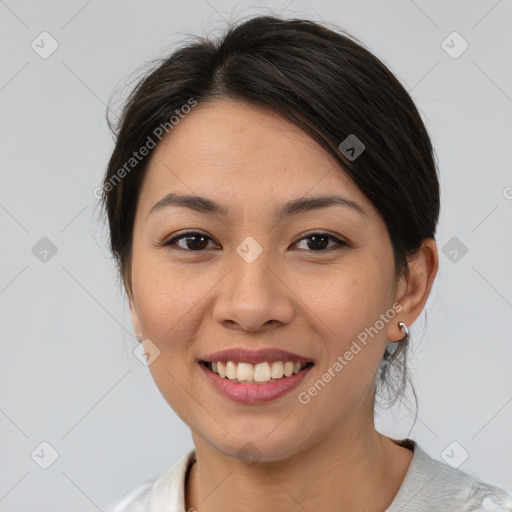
{"type": "Point", "coordinates": [350, 470]}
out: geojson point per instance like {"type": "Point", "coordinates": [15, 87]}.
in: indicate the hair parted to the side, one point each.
{"type": "Point", "coordinates": [325, 82]}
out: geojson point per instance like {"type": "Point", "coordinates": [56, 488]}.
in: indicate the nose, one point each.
{"type": "Point", "coordinates": [253, 296]}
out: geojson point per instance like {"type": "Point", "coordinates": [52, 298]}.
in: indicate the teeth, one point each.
{"type": "Point", "coordinates": [231, 370]}
{"type": "Point", "coordinates": [261, 372]}
{"type": "Point", "coordinates": [244, 371]}
{"type": "Point", "coordinates": [277, 370]}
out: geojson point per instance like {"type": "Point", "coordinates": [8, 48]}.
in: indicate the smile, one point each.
{"type": "Point", "coordinates": [260, 373]}
{"type": "Point", "coordinates": [258, 383]}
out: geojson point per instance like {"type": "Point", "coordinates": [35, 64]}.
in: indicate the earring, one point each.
{"type": "Point", "coordinates": [403, 327]}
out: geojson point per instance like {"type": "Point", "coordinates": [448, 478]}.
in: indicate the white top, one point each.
{"type": "Point", "coordinates": [429, 486]}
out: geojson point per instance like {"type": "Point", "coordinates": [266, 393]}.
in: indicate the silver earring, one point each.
{"type": "Point", "coordinates": [403, 327]}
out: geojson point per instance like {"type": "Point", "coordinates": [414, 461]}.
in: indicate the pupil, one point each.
{"type": "Point", "coordinates": [190, 241]}
{"type": "Point", "coordinates": [315, 239]}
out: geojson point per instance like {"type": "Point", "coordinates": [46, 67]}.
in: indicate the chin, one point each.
{"type": "Point", "coordinates": [254, 450]}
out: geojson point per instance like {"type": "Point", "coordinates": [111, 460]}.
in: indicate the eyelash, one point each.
{"type": "Point", "coordinates": [172, 242]}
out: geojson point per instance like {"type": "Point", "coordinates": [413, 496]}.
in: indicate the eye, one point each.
{"type": "Point", "coordinates": [193, 241]}
{"type": "Point", "coordinates": [320, 240]}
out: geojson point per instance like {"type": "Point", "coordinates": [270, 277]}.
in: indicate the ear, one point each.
{"type": "Point", "coordinates": [413, 291]}
{"type": "Point", "coordinates": [127, 282]}
{"type": "Point", "coordinates": [135, 317]}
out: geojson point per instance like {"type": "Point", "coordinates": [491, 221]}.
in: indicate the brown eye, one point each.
{"type": "Point", "coordinates": [192, 241]}
{"type": "Point", "coordinates": [318, 242]}
{"type": "Point", "coordinates": [197, 242]}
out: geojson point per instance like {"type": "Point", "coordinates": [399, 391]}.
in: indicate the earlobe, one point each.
{"type": "Point", "coordinates": [405, 330]}
{"type": "Point", "coordinates": [415, 290]}
{"type": "Point", "coordinates": [398, 330]}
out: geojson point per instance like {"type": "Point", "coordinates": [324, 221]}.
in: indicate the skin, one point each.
{"type": "Point", "coordinates": [312, 301]}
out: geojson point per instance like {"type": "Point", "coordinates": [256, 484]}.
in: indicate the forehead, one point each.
{"type": "Point", "coordinates": [236, 152]}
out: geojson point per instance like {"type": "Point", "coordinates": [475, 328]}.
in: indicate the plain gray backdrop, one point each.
{"type": "Point", "coordinates": [69, 378]}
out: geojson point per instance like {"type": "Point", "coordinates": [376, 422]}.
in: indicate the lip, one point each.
{"type": "Point", "coordinates": [241, 355]}
{"type": "Point", "coordinates": [254, 393]}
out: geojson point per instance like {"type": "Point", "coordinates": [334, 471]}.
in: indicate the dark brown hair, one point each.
{"type": "Point", "coordinates": [322, 80]}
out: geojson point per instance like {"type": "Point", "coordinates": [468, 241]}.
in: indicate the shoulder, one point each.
{"type": "Point", "coordinates": [431, 485]}
{"type": "Point", "coordinates": [163, 491]}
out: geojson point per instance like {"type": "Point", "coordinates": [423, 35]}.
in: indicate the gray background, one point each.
{"type": "Point", "coordinates": [68, 373]}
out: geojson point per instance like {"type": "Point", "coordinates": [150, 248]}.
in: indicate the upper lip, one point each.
{"type": "Point", "coordinates": [241, 355]}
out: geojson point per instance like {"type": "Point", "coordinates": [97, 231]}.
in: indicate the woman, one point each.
{"type": "Point", "coordinates": [272, 201]}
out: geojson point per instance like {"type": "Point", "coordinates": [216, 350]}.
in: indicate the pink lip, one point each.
{"type": "Point", "coordinates": [255, 356]}
{"type": "Point", "coordinates": [254, 393]}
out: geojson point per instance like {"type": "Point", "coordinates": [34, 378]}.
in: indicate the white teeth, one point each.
{"type": "Point", "coordinates": [231, 370]}
{"type": "Point", "coordinates": [244, 371]}
{"type": "Point", "coordinates": [288, 369]}
{"type": "Point", "coordinates": [277, 370]}
{"type": "Point", "coordinates": [261, 372]}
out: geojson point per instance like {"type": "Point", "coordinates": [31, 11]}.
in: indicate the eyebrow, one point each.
{"type": "Point", "coordinates": [293, 207]}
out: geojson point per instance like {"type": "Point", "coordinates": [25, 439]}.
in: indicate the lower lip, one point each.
{"type": "Point", "coordinates": [254, 393]}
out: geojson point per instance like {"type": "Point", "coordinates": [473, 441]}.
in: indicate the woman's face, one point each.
{"type": "Point", "coordinates": [256, 281]}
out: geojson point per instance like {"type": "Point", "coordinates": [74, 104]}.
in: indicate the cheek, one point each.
{"type": "Point", "coordinates": [348, 299]}
{"type": "Point", "coordinates": [169, 307]}
{"type": "Point", "coordinates": [348, 317]}
{"type": "Point", "coordinates": [167, 303]}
